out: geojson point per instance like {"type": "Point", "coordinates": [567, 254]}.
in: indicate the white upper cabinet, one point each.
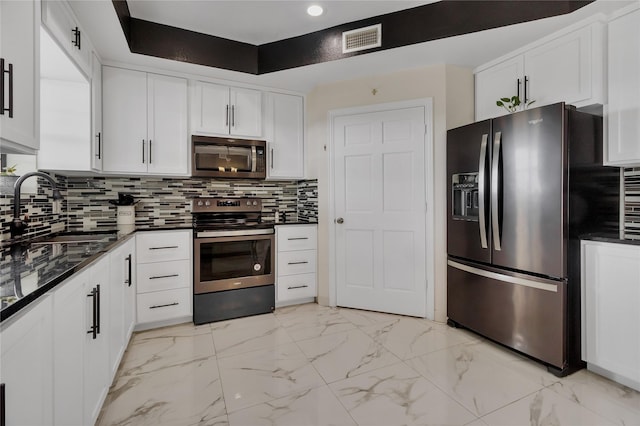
{"type": "Point", "coordinates": [623, 112]}
{"type": "Point", "coordinates": [564, 67]}
{"type": "Point", "coordinates": [19, 50]}
{"type": "Point", "coordinates": [284, 131]}
{"type": "Point", "coordinates": [63, 26]}
{"type": "Point", "coordinates": [220, 110]}
{"type": "Point", "coordinates": [144, 123]}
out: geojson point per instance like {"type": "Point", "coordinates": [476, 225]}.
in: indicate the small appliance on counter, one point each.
{"type": "Point", "coordinates": [125, 204]}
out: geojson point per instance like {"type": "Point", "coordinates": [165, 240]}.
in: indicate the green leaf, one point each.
{"type": "Point", "coordinates": [499, 103]}
{"type": "Point", "coordinates": [505, 99]}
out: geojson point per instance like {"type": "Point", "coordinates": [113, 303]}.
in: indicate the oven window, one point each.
{"type": "Point", "coordinates": [223, 158]}
{"type": "Point", "coordinates": [234, 259]}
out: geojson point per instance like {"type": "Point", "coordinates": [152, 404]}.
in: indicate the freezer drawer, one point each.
{"type": "Point", "coordinates": [523, 312]}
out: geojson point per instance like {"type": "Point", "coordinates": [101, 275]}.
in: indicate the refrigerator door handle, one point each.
{"type": "Point", "coordinates": [495, 191]}
{"type": "Point", "coordinates": [481, 182]}
{"type": "Point", "coordinates": [541, 285]}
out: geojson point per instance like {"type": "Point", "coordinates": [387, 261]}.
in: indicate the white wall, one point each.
{"type": "Point", "coordinates": [451, 89]}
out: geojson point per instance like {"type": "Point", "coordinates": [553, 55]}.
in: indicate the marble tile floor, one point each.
{"type": "Point", "coordinates": [313, 365]}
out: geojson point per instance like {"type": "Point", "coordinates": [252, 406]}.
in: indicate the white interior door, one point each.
{"type": "Point", "coordinates": [380, 198]}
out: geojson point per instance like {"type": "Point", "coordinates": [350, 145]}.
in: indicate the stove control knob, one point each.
{"type": "Point", "coordinates": [199, 203]}
{"type": "Point", "coordinates": [255, 203]}
{"type": "Point", "coordinates": [207, 203]}
{"type": "Point", "coordinates": [248, 203]}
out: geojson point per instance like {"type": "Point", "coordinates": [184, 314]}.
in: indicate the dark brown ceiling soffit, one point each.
{"type": "Point", "coordinates": [420, 24]}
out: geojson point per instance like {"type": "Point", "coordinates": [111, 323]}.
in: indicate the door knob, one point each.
{"type": "Point", "coordinates": [340, 221]}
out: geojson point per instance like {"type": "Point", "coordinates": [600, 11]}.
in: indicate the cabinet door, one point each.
{"type": "Point", "coordinates": [560, 70]}
{"type": "Point", "coordinates": [502, 80]}
{"type": "Point", "coordinates": [26, 368]}
{"type": "Point", "coordinates": [96, 113]}
{"type": "Point", "coordinates": [623, 114]}
{"type": "Point", "coordinates": [168, 147]}
{"type": "Point", "coordinates": [19, 48]}
{"type": "Point", "coordinates": [611, 289]}
{"type": "Point", "coordinates": [246, 112]}
{"type": "Point", "coordinates": [124, 112]}
{"type": "Point", "coordinates": [286, 138]}
{"type": "Point", "coordinates": [70, 330]}
{"type": "Point", "coordinates": [63, 26]}
{"type": "Point", "coordinates": [116, 328]}
{"type": "Point", "coordinates": [210, 109]}
{"type": "Point", "coordinates": [96, 349]}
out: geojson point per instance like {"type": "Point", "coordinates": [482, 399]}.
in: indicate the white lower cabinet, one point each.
{"type": "Point", "coordinates": [81, 345]}
{"type": "Point", "coordinates": [164, 283]}
{"type": "Point", "coordinates": [610, 314]}
{"type": "Point", "coordinates": [122, 301]}
{"type": "Point", "coordinates": [25, 366]}
{"type": "Point", "coordinates": [296, 256]}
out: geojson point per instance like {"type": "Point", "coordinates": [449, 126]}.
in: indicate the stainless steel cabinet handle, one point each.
{"type": "Point", "coordinates": [481, 185]}
{"type": "Point", "coordinates": [98, 307]}
{"type": "Point", "coordinates": [150, 142]}
{"type": "Point", "coordinates": [226, 120]}
{"type": "Point", "coordinates": [163, 306]}
{"type": "Point", "coordinates": [340, 221]}
{"type": "Point", "coordinates": [297, 286]}
{"type": "Point", "coordinates": [76, 37]}
{"type": "Point", "coordinates": [495, 182]}
{"type": "Point", "coordinates": [99, 138]}
{"type": "Point", "coordinates": [518, 88]}
{"type": "Point", "coordinates": [94, 317]}
{"type": "Point", "coordinates": [142, 151]}
{"type": "Point", "coordinates": [163, 248]}
{"type": "Point", "coordinates": [233, 116]}
{"type": "Point", "coordinates": [3, 406]}
{"type": "Point", "coordinates": [272, 158]}
{"type": "Point", "coordinates": [298, 263]}
{"type": "Point", "coordinates": [2, 88]}
{"type": "Point", "coordinates": [298, 238]}
{"type": "Point", "coordinates": [526, 80]}
{"type": "Point", "coordinates": [128, 279]}
{"type": "Point", "coordinates": [164, 276]}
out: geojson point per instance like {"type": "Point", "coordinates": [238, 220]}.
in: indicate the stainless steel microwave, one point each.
{"type": "Point", "coordinates": [228, 158]}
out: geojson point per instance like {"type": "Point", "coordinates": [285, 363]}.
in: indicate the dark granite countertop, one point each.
{"type": "Point", "coordinates": [295, 222]}
{"type": "Point", "coordinates": [610, 238]}
{"type": "Point", "coordinates": [29, 269]}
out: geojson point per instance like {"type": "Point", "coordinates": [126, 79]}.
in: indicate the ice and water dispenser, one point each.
{"type": "Point", "coordinates": [464, 187]}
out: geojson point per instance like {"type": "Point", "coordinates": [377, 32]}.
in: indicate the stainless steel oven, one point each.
{"type": "Point", "coordinates": [234, 260]}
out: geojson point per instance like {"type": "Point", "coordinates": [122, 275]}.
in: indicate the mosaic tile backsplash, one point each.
{"type": "Point", "coordinates": [159, 201]}
{"type": "Point", "coordinates": [632, 203]}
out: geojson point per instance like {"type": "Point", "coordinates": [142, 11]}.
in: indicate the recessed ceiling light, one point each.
{"type": "Point", "coordinates": [315, 10]}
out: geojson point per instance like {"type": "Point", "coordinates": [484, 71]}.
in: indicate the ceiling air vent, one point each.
{"type": "Point", "coordinates": [362, 38]}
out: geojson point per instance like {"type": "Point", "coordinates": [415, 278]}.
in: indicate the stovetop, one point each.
{"type": "Point", "coordinates": [227, 213]}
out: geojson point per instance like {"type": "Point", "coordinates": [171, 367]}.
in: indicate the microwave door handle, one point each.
{"type": "Point", "coordinates": [481, 187]}
{"type": "Point", "coordinates": [254, 158]}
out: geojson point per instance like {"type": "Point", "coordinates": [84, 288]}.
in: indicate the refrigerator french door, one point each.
{"type": "Point", "coordinates": [507, 203]}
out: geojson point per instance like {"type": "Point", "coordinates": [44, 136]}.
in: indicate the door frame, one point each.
{"type": "Point", "coordinates": [427, 104]}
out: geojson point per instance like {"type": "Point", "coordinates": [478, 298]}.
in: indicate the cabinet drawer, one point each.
{"type": "Point", "coordinates": [297, 262]}
{"type": "Point", "coordinates": [164, 276]}
{"type": "Point", "coordinates": [164, 305]}
{"type": "Point", "coordinates": [297, 237]}
{"type": "Point", "coordinates": [292, 287]}
{"type": "Point", "coordinates": [163, 246]}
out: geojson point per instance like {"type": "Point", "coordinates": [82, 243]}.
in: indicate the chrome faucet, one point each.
{"type": "Point", "coordinates": [18, 226]}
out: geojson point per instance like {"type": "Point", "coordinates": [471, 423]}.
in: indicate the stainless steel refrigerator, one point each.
{"type": "Point", "coordinates": [522, 189]}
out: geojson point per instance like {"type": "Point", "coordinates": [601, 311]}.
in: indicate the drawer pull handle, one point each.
{"type": "Point", "coordinates": [164, 276]}
{"type": "Point", "coordinates": [297, 286]}
{"type": "Point", "coordinates": [298, 238]}
{"type": "Point", "coordinates": [163, 248]}
{"type": "Point", "coordinates": [298, 263]}
{"type": "Point", "coordinates": [164, 306]}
